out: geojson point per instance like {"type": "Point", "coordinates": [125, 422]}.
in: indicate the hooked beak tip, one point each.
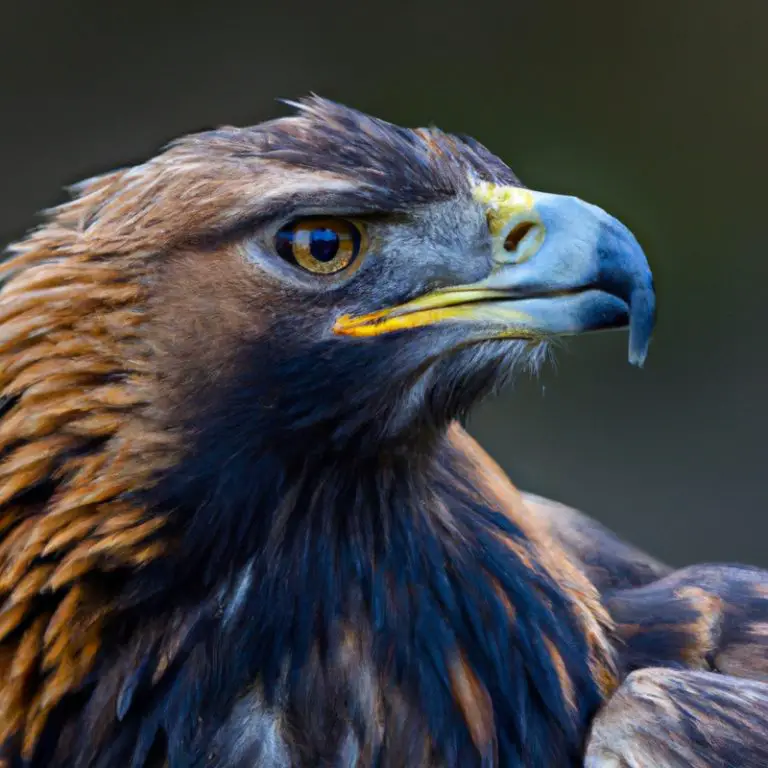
{"type": "Point", "coordinates": [642, 320]}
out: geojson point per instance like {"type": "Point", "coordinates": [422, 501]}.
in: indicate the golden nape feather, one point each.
{"type": "Point", "coordinates": [76, 440]}
{"type": "Point", "coordinates": [239, 522]}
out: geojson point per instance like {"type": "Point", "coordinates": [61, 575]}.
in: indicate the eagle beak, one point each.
{"type": "Point", "coordinates": [561, 266]}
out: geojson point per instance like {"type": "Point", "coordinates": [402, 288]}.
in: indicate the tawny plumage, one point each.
{"type": "Point", "coordinates": [239, 522]}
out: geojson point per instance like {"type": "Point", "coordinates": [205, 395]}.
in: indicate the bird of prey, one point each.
{"type": "Point", "coordinates": [240, 523]}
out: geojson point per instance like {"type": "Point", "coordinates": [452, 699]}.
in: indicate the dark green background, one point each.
{"type": "Point", "coordinates": [655, 110]}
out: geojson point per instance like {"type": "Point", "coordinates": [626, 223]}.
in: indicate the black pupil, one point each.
{"type": "Point", "coordinates": [323, 244]}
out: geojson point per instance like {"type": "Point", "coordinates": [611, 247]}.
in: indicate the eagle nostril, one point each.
{"type": "Point", "coordinates": [516, 235]}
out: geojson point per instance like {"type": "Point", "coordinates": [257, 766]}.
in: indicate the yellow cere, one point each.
{"type": "Point", "coordinates": [508, 207]}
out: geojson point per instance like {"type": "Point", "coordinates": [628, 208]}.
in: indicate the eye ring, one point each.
{"type": "Point", "coordinates": [321, 245]}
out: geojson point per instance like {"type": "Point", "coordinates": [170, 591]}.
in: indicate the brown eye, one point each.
{"type": "Point", "coordinates": [321, 246]}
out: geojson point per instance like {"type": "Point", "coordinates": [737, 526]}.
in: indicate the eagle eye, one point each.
{"type": "Point", "coordinates": [320, 245]}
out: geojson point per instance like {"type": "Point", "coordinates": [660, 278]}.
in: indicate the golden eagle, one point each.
{"type": "Point", "coordinates": [239, 522]}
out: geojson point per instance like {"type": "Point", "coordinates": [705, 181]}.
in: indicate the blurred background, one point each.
{"type": "Point", "coordinates": [655, 110]}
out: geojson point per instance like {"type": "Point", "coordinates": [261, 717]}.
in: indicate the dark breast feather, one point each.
{"type": "Point", "coordinates": [432, 630]}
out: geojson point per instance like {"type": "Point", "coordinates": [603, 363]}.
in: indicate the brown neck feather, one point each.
{"type": "Point", "coordinates": [76, 438]}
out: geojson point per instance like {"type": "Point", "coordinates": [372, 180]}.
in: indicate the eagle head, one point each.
{"type": "Point", "coordinates": [338, 279]}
